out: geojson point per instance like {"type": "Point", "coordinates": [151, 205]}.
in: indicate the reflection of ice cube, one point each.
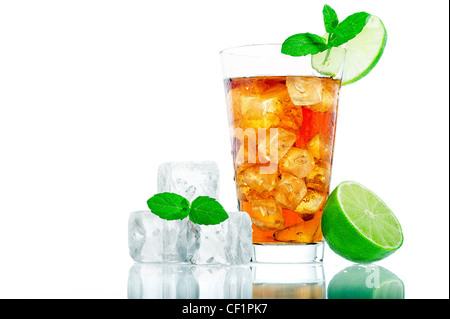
{"type": "Point", "coordinates": [189, 179]}
{"type": "Point", "coordinates": [162, 281]}
{"type": "Point", "coordinates": [229, 242]}
{"type": "Point", "coordinates": [187, 281]}
{"type": "Point", "coordinates": [223, 282]}
{"type": "Point", "coordinates": [304, 90]}
{"type": "Point", "coordinates": [152, 239]}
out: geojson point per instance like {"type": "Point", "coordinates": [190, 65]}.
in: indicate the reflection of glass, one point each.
{"type": "Point", "coordinates": [288, 281]}
{"type": "Point", "coordinates": [366, 282]}
{"type": "Point", "coordinates": [282, 116]}
{"type": "Point", "coordinates": [187, 281]}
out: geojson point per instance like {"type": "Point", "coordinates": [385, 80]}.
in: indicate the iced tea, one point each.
{"type": "Point", "coordinates": [283, 130]}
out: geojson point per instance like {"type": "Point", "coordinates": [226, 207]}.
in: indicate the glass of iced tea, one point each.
{"type": "Point", "coordinates": [282, 117]}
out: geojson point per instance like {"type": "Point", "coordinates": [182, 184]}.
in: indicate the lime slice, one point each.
{"type": "Point", "coordinates": [358, 225]}
{"type": "Point", "coordinates": [363, 53]}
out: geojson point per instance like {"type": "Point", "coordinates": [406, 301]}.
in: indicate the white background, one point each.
{"type": "Point", "coordinates": [94, 95]}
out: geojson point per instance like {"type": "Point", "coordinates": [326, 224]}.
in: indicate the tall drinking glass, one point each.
{"type": "Point", "coordinates": [282, 117]}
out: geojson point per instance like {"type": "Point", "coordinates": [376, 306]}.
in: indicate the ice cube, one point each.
{"type": "Point", "coordinates": [319, 147]}
{"type": "Point", "coordinates": [317, 94]}
{"type": "Point", "coordinates": [153, 239]}
{"type": "Point", "coordinates": [311, 204]}
{"type": "Point", "coordinates": [261, 146]}
{"type": "Point", "coordinates": [290, 191]}
{"type": "Point", "coordinates": [229, 242]}
{"type": "Point", "coordinates": [245, 145]}
{"type": "Point", "coordinates": [298, 162]}
{"type": "Point", "coordinates": [189, 179]}
{"type": "Point", "coordinates": [303, 232]}
{"type": "Point", "coordinates": [275, 139]}
{"type": "Point", "coordinates": [162, 281]}
{"type": "Point", "coordinates": [260, 111]}
{"type": "Point", "coordinates": [234, 106]}
{"type": "Point", "coordinates": [267, 214]}
{"type": "Point", "coordinates": [252, 183]}
{"type": "Point", "coordinates": [329, 97]}
{"type": "Point", "coordinates": [246, 155]}
{"type": "Point", "coordinates": [319, 177]}
{"type": "Point", "coordinates": [304, 90]}
{"type": "Point", "coordinates": [291, 118]}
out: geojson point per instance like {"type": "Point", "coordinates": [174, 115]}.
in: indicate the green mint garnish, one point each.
{"type": "Point", "coordinates": [207, 211]}
{"type": "Point", "coordinates": [338, 33]}
{"type": "Point", "coordinates": [169, 206]}
{"type": "Point", "coordinates": [304, 44]}
{"type": "Point", "coordinates": [330, 18]}
{"type": "Point", "coordinates": [203, 210]}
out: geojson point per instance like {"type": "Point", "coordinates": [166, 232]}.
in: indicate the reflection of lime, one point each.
{"type": "Point", "coordinates": [366, 282]}
{"type": "Point", "coordinates": [363, 53]}
{"type": "Point", "coordinates": [358, 225]}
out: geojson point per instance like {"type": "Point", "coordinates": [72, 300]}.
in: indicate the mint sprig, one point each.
{"type": "Point", "coordinates": [348, 29]}
{"type": "Point", "coordinates": [302, 44]}
{"type": "Point", "coordinates": [203, 210]}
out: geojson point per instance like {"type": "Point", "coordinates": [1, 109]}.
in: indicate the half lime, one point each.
{"type": "Point", "coordinates": [358, 225]}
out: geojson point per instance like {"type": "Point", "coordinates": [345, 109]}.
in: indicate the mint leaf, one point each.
{"type": "Point", "coordinates": [207, 211]}
{"type": "Point", "coordinates": [169, 206]}
{"type": "Point", "coordinates": [303, 44]}
{"type": "Point", "coordinates": [348, 29]}
{"type": "Point", "coordinates": [330, 18]}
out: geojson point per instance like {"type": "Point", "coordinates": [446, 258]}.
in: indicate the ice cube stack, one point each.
{"type": "Point", "coordinates": [152, 239]}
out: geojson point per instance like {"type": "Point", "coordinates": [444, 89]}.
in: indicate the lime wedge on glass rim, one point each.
{"type": "Point", "coordinates": [362, 53]}
{"type": "Point", "coordinates": [358, 225]}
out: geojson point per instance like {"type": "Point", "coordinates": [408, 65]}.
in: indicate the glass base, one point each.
{"type": "Point", "coordinates": [288, 253]}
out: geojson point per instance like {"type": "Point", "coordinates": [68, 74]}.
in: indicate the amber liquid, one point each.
{"type": "Point", "coordinates": [285, 203]}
